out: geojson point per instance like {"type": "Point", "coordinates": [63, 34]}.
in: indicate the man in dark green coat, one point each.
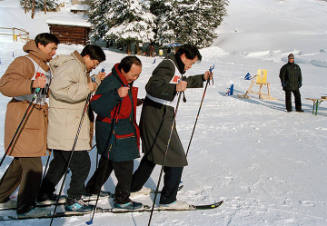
{"type": "Point", "coordinates": [291, 78]}
{"type": "Point", "coordinates": [117, 134]}
{"type": "Point", "coordinates": [157, 119]}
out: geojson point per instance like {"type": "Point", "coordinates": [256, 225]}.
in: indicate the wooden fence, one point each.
{"type": "Point", "coordinates": [15, 33]}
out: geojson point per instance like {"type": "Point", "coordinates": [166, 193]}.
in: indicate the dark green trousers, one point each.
{"type": "Point", "coordinates": [27, 174]}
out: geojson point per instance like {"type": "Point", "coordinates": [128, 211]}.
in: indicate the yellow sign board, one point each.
{"type": "Point", "coordinates": [261, 76]}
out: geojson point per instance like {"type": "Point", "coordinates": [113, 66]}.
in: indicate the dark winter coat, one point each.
{"type": "Point", "coordinates": [157, 119]}
{"type": "Point", "coordinates": [116, 131]}
{"type": "Point", "coordinates": [291, 76]}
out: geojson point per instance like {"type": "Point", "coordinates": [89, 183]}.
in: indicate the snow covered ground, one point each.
{"type": "Point", "coordinates": [268, 166]}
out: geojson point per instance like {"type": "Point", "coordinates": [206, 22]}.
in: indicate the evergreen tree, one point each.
{"type": "Point", "coordinates": [39, 4]}
{"type": "Point", "coordinates": [164, 22]}
{"type": "Point", "coordinates": [185, 20]}
{"type": "Point", "coordinates": [100, 16]}
{"type": "Point", "coordinates": [188, 21]}
{"type": "Point", "coordinates": [130, 21]}
{"type": "Point", "coordinates": [197, 20]}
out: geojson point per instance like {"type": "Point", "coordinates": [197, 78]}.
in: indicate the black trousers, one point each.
{"type": "Point", "coordinates": [27, 174]}
{"type": "Point", "coordinates": [288, 99]}
{"type": "Point", "coordinates": [123, 172]}
{"type": "Point", "coordinates": [172, 180]}
{"type": "Point", "coordinates": [80, 166]}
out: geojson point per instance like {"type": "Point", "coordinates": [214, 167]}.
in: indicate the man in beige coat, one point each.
{"type": "Point", "coordinates": [69, 89]}
{"type": "Point", "coordinates": [23, 75]}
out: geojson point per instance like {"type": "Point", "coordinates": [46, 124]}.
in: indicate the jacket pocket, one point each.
{"type": "Point", "coordinates": [123, 142]}
{"type": "Point", "coordinates": [31, 140]}
{"type": "Point", "coordinates": [33, 119]}
{"type": "Point", "coordinates": [123, 131]}
{"type": "Point", "coordinates": [124, 149]}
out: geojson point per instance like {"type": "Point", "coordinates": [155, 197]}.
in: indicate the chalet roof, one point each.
{"type": "Point", "coordinates": [71, 20]}
{"type": "Point", "coordinates": [81, 7]}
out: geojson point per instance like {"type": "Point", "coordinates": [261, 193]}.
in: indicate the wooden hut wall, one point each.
{"type": "Point", "coordinates": [70, 34]}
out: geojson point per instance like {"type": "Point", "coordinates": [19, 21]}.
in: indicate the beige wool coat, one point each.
{"type": "Point", "coordinates": [67, 97]}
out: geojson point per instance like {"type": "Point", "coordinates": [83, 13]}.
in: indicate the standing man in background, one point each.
{"type": "Point", "coordinates": [291, 78]}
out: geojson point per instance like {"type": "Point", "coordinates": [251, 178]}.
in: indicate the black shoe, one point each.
{"type": "Point", "coordinates": [289, 110]}
{"type": "Point", "coordinates": [24, 209]}
{"type": "Point", "coordinates": [95, 195]}
{"type": "Point", "coordinates": [299, 110]}
{"type": "Point", "coordinates": [44, 198]}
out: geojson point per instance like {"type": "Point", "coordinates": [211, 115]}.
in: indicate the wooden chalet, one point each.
{"type": "Point", "coordinates": [71, 30]}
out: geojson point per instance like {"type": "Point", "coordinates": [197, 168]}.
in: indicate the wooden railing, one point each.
{"type": "Point", "coordinates": [15, 33]}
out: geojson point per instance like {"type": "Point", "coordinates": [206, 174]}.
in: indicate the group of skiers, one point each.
{"type": "Point", "coordinates": [65, 126]}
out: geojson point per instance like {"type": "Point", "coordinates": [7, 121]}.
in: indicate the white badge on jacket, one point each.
{"type": "Point", "coordinates": [175, 80]}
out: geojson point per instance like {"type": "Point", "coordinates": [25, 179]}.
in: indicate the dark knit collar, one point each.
{"type": "Point", "coordinates": [178, 62]}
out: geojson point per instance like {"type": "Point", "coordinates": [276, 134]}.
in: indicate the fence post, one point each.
{"type": "Point", "coordinates": [14, 36]}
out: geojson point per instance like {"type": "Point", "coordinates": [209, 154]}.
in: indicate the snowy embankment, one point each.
{"type": "Point", "coordinates": [268, 165]}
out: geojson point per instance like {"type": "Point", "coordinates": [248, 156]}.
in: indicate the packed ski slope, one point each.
{"type": "Point", "coordinates": [268, 166]}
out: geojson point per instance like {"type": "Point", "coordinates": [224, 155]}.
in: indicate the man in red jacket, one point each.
{"type": "Point", "coordinates": [117, 134]}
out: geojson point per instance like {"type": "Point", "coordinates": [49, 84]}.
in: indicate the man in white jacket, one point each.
{"type": "Point", "coordinates": [69, 89]}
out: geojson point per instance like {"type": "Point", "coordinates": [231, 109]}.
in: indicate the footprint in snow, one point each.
{"type": "Point", "coordinates": [321, 128]}
{"type": "Point", "coordinates": [307, 203]}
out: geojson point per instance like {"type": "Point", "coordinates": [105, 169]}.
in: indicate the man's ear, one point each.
{"type": "Point", "coordinates": [183, 57]}
{"type": "Point", "coordinates": [86, 58]}
{"type": "Point", "coordinates": [123, 71]}
{"type": "Point", "coordinates": [39, 45]}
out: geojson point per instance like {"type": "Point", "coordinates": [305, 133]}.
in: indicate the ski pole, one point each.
{"type": "Point", "coordinates": [197, 116]}
{"type": "Point", "coordinates": [103, 175]}
{"type": "Point", "coordinates": [46, 165]}
{"type": "Point", "coordinates": [98, 195]}
{"type": "Point", "coordinates": [21, 124]}
{"type": "Point", "coordinates": [71, 155]}
{"type": "Point", "coordinates": [96, 158]}
{"type": "Point", "coordinates": [165, 156]}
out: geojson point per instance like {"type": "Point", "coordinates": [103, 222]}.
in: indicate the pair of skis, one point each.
{"type": "Point", "coordinates": [145, 208]}
{"type": "Point", "coordinates": [87, 199]}
{"type": "Point", "coordinates": [104, 195]}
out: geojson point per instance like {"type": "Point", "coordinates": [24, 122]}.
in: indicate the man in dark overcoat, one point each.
{"type": "Point", "coordinates": [157, 118]}
{"type": "Point", "coordinates": [291, 78]}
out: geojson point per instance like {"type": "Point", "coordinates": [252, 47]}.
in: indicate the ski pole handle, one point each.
{"type": "Point", "coordinates": [38, 74]}
{"type": "Point", "coordinates": [211, 69]}
{"type": "Point", "coordinates": [93, 78]}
